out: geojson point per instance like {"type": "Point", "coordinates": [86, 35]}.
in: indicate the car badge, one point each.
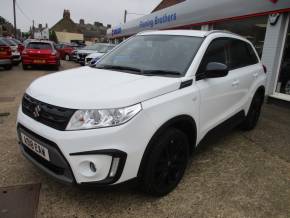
{"type": "Point", "coordinates": [37, 109]}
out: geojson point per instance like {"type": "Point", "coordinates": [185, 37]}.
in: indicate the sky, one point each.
{"type": "Point", "coordinates": [51, 11]}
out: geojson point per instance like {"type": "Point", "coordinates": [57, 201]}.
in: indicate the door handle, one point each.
{"type": "Point", "coordinates": [235, 83]}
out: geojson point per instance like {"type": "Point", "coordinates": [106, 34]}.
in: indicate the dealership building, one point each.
{"type": "Point", "coordinates": [264, 22]}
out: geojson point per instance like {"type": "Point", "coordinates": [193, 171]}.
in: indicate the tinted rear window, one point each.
{"type": "Point", "coordinates": [242, 54]}
{"type": "Point", "coordinates": [39, 45]}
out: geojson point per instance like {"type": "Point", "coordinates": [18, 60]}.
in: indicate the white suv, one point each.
{"type": "Point", "coordinates": [142, 109]}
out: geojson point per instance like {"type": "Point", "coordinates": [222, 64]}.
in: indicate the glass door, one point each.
{"type": "Point", "coordinates": [283, 82]}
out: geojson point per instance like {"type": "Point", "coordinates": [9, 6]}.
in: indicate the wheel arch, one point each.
{"type": "Point", "coordinates": [261, 90]}
{"type": "Point", "coordinates": [185, 123]}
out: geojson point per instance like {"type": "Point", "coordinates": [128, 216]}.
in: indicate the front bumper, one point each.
{"type": "Point", "coordinates": [78, 149]}
{"type": "Point", "coordinates": [16, 58]}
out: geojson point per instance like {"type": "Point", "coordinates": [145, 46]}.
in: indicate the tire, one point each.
{"type": "Point", "coordinates": [56, 67]}
{"type": "Point", "coordinates": [24, 66]}
{"type": "Point", "coordinates": [166, 163]}
{"type": "Point", "coordinates": [254, 112]}
{"type": "Point", "coordinates": [67, 57]}
{"type": "Point", "coordinates": [8, 67]}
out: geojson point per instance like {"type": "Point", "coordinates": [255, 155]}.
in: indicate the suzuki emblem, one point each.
{"type": "Point", "coordinates": [37, 109]}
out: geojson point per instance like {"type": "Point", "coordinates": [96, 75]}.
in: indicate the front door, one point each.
{"type": "Point", "coordinates": [218, 95]}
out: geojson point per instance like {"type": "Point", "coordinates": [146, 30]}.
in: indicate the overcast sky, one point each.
{"type": "Point", "coordinates": [50, 11]}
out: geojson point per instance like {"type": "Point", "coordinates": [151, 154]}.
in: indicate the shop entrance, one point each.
{"type": "Point", "coordinates": [283, 82]}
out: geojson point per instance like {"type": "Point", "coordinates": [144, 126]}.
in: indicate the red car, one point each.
{"type": "Point", "coordinates": [65, 51]}
{"type": "Point", "coordinates": [40, 53]}
{"type": "Point", "coordinates": [5, 55]}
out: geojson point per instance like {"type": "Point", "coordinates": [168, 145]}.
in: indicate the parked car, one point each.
{"type": "Point", "coordinates": [40, 53]}
{"type": "Point", "coordinates": [5, 55]}
{"type": "Point", "coordinates": [97, 55]}
{"type": "Point", "coordinates": [20, 45]}
{"type": "Point", "coordinates": [141, 111]}
{"type": "Point", "coordinates": [16, 57]}
{"type": "Point", "coordinates": [65, 50]}
{"type": "Point", "coordinates": [84, 52]}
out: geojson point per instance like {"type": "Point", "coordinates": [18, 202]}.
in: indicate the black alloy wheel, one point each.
{"type": "Point", "coordinates": [167, 163]}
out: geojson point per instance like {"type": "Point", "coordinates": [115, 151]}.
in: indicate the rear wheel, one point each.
{"type": "Point", "coordinates": [8, 67]}
{"type": "Point", "coordinates": [24, 66]}
{"type": "Point", "coordinates": [166, 163]}
{"type": "Point", "coordinates": [254, 112]}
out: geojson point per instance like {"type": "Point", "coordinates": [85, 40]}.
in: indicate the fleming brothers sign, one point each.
{"type": "Point", "coordinates": [150, 23]}
{"type": "Point", "coordinates": [116, 31]}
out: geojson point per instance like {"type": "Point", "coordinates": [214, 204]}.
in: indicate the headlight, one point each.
{"type": "Point", "coordinates": [90, 119]}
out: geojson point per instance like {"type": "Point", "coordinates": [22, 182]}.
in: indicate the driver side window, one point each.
{"type": "Point", "coordinates": [217, 51]}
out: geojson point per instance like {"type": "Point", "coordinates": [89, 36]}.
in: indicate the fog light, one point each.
{"type": "Point", "coordinates": [114, 167]}
{"type": "Point", "coordinates": [93, 167]}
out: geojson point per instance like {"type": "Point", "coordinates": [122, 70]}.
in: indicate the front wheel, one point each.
{"type": "Point", "coordinates": [166, 163]}
{"type": "Point", "coordinates": [254, 112]}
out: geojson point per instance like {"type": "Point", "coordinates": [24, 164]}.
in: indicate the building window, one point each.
{"type": "Point", "coordinates": [254, 29]}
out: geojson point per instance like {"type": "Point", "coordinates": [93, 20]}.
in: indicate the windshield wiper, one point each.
{"type": "Point", "coordinates": [116, 67]}
{"type": "Point", "coordinates": [161, 72]}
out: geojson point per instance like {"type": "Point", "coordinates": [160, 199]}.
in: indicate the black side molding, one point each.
{"type": "Point", "coordinates": [185, 84]}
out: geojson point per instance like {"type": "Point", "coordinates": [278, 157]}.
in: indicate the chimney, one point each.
{"type": "Point", "coordinates": [40, 26]}
{"type": "Point", "coordinates": [66, 14]}
{"type": "Point", "coordinates": [82, 21]}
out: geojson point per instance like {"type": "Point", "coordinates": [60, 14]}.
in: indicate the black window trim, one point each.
{"type": "Point", "coordinates": [198, 74]}
{"type": "Point", "coordinates": [248, 46]}
{"type": "Point", "coordinates": [228, 55]}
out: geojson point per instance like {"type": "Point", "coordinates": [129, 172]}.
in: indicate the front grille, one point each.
{"type": "Point", "coordinates": [52, 116]}
{"type": "Point", "coordinates": [82, 55]}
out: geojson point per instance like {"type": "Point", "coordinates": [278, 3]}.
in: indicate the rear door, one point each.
{"type": "Point", "coordinates": [245, 68]}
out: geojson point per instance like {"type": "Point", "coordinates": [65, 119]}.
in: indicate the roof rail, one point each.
{"type": "Point", "coordinates": [219, 31]}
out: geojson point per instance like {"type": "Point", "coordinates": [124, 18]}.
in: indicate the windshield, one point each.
{"type": "Point", "coordinates": [9, 42]}
{"type": "Point", "coordinates": [153, 53]}
{"type": "Point", "coordinates": [106, 48]}
{"type": "Point", "coordinates": [39, 45]}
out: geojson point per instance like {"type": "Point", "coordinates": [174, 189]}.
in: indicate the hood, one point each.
{"type": "Point", "coordinates": [91, 88]}
{"type": "Point", "coordinates": [95, 55]}
{"type": "Point", "coordinates": [84, 51]}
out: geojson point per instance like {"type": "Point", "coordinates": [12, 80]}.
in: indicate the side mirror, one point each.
{"type": "Point", "coordinates": [215, 70]}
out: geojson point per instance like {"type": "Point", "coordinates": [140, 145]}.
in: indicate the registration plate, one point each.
{"type": "Point", "coordinates": [35, 147]}
{"type": "Point", "coordinates": [39, 61]}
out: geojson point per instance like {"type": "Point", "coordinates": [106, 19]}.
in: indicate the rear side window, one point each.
{"type": "Point", "coordinates": [241, 54]}
{"type": "Point", "coordinates": [39, 45]}
{"type": "Point", "coordinates": [216, 52]}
